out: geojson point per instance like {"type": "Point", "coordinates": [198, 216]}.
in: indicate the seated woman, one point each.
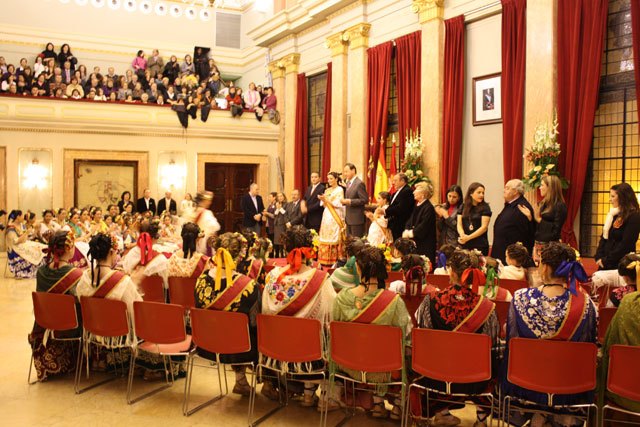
{"type": "Point", "coordinates": [300, 291]}
{"type": "Point", "coordinates": [47, 227]}
{"type": "Point", "coordinates": [415, 268]}
{"type": "Point", "coordinates": [24, 256]}
{"type": "Point", "coordinates": [628, 269]}
{"type": "Point", "coordinates": [142, 260]}
{"type": "Point", "coordinates": [380, 307]}
{"type": "Point", "coordinates": [442, 256]}
{"type": "Point", "coordinates": [97, 222]}
{"type": "Point", "coordinates": [556, 310]}
{"type": "Point", "coordinates": [57, 276]}
{"type": "Point", "coordinates": [223, 288]}
{"type": "Point", "coordinates": [516, 256]}
{"type": "Point", "coordinates": [188, 262]}
{"type": "Point", "coordinates": [460, 308]}
{"type": "Point", "coordinates": [491, 288]}
{"type": "Point", "coordinates": [256, 256]}
{"type": "Point", "coordinates": [402, 247]}
{"type": "Point", "coordinates": [624, 329]}
{"type": "Point", "coordinates": [345, 277]}
{"type": "Point", "coordinates": [168, 231]}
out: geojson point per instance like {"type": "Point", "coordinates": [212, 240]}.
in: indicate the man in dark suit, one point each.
{"type": "Point", "coordinates": [355, 197]}
{"type": "Point", "coordinates": [252, 208]}
{"type": "Point", "coordinates": [146, 203]}
{"type": "Point", "coordinates": [512, 225]}
{"type": "Point", "coordinates": [400, 207]}
{"type": "Point", "coordinates": [167, 204]}
{"type": "Point", "coordinates": [293, 210]}
{"type": "Point", "coordinates": [312, 204]}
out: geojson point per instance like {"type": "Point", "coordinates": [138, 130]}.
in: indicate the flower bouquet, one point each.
{"type": "Point", "coordinates": [412, 163]}
{"type": "Point", "coordinates": [544, 154]}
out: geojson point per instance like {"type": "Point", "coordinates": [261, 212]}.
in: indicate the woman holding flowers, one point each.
{"type": "Point", "coordinates": [550, 213]}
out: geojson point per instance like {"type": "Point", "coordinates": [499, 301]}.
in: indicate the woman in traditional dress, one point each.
{"type": "Point", "coordinates": [61, 218]}
{"type": "Point", "coordinates": [257, 254]}
{"type": "Point", "coordinates": [97, 222]}
{"type": "Point", "coordinates": [415, 268]}
{"type": "Point", "coordinates": [346, 276]}
{"type": "Point", "coordinates": [168, 231]}
{"type": "Point", "coordinates": [24, 256]}
{"type": "Point", "coordinates": [628, 269]}
{"type": "Point", "coordinates": [460, 308]}
{"type": "Point", "coordinates": [516, 256]}
{"type": "Point", "coordinates": [57, 276]}
{"type": "Point", "coordinates": [378, 233]}
{"type": "Point", "coordinates": [298, 290]}
{"type": "Point", "coordinates": [204, 218]}
{"type": "Point", "coordinates": [142, 260]}
{"type": "Point", "coordinates": [188, 262]}
{"type": "Point", "coordinates": [332, 227]}
{"type": "Point", "coordinates": [47, 226]}
{"type": "Point", "coordinates": [224, 288]}
{"type": "Point", "coordinates": [379, 307]}
{"type": "Point", "coordinates": [491, 288]}
{"type": "Point", "coordinates": [557, 310]}
{"type": "Point", "coordinates": [79, 258]}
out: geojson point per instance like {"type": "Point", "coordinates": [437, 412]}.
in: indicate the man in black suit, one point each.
{"type": "Point", "coordinates": [400, 207]}
{"type": "Point", "coordinates": [293, 210]}
{"type": "Point", "coordinates": [355, 198]}
{"type": "Point", "coordinates": [311, 204]}
{"type": "Point", "coordinates": [512, 225]}
{"type": "Point", "coordinates": [252, 208]}
{"type": "Point", "coordinates": [167, 204]}
{"type": "Point", "coordinates": [146, 203]}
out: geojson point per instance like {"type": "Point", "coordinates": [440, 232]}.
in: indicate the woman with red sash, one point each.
{"type": "Point", "coordinates": [460, 308]}
{"type": "Point", "coordinates": [188, 262]}
{"type": "Point", "coordinates": [301, 291]}
{"type": "Point", "coordinates": [59, 276]}
{"type": "Point", "coordinates": [142, 260]}
{"type": "Point", "coordinates": [557, 310]}
{"type": "Point", "coordinates": [257, 254]}
{"type": "Point", "coordinates": [223, 288]}
{"type": "Point", "coordinates": [380, 307]}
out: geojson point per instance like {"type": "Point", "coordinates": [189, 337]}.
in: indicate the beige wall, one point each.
{"type": "Point", "coordinates": [481, 158]}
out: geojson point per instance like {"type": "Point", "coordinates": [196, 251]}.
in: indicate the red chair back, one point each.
{"type": "Point", "coordinates": [502, 311]}
{"type": "Point", "coordinates": [56, 312]}
{"type": "Point", "coordinates": [438, 280]}
{"type": "Point", "coordinates": [513, 285]}
{"type": "Point", "coordinates": [223, 332]}
{"type": "Point", "coordinates": [104, 317]}
{"type": "Point", "coordinates": [366, 347]}
{"type": "Point", "coordinates": [152, 288]}
{"type": "Point", "coordinates": [159, 323]}
{"type": "Point", "coordinates": [395, 275]}
{"type": "Point", "coordinates": [605, 316]}
{"type": "Point", "coordinates": [623, 377]}
{"type": "Point", "coordinates": [268, 267]}
{"type": "Point", "coordinates": [289, 339]}
{"type": "Point", "coordinates": [182, 291]}
{"type": "Point", "coordinates": [444, 355]}
{"type": "Point", "coordinates": [573, 369]}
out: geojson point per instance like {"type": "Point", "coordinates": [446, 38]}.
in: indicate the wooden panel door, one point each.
{"type": "Point", "coordinates": [228, 182]}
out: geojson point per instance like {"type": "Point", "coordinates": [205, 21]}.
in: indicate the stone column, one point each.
{"type": "Point", "coordinates": [290, 63]}
{"type": "Point", "coordinates": [358, 37]}
{"type": "Point", "coordinates": [277, 70]}
{"type": "Point", "coordinates": [431, 13]}
{"type": "Point", "coordinates": [339, 77]}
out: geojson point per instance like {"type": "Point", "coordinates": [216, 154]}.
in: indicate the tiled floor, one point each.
{"type": "Point", "coordinates": [53, 403]}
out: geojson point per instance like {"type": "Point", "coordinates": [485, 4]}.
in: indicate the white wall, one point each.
{"type": "Point", "coordinates": [481, 158]}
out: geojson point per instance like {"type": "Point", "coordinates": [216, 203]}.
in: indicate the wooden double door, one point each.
{"type": "Point", "coordinates": [229, 182]}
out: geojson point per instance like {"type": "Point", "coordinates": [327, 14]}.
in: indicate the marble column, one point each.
{"type": "Point", "coordinates": [339, 78]}
{"type": "Point", "coordinates": [358, 37]}
{"type": "Point", "coordinates": [430, 14]}
{"type": "Point", "coordinates": [291, 64]}
{"type": "Point", "coordinates": [276, 68]}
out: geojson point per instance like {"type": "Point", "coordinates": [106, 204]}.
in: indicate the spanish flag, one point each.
{"type": "Point", "coordinates": [382, 179]}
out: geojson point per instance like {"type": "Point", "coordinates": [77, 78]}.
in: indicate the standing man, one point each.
{"type": "Point", "coordinates": [146, 203]}
{"type": "Point", "coordinates": [512, 225]}
{"type": "Point", "coordinates": [311, 205]}
{"type": "Point", "coordinates": [167, 204]}
{"type": "Point", "coordinates": [252, 208]}
{"type": "Point", "coordinates": [294, 211]}
{"type": "Point", "coordinates": [355, 198]}
{"type": "Point", "coordinates": [400, 207]}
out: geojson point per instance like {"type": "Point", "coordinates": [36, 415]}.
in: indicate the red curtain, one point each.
{"type": "Point", "coordinates": [581, 31]}
{"type": "Point", "coordinates": [378, 72]}
{"type": "Point", "coordinates": [635, 32]}
{"type": "Point", "coordinates": [408, 72]}
{"type": "Point", "coordinates": [514, 43]}
{"type": "Point", "coordinates": [301, 152]}
{"type": "Point", "coordinates": [326, 133]}
{"type": "Point", "coordinates": [453, 101]}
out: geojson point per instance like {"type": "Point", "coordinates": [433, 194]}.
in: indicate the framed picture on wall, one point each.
{"type": "Point", "coordinates": [487, 99]}
{"type": "Point", "coordinates": [101, 182]}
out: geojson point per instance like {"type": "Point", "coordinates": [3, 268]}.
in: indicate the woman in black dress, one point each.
{"type": "Point", "coordinates": [421, 225]}
{"type": "Point", "coordinates": [473, 224]}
